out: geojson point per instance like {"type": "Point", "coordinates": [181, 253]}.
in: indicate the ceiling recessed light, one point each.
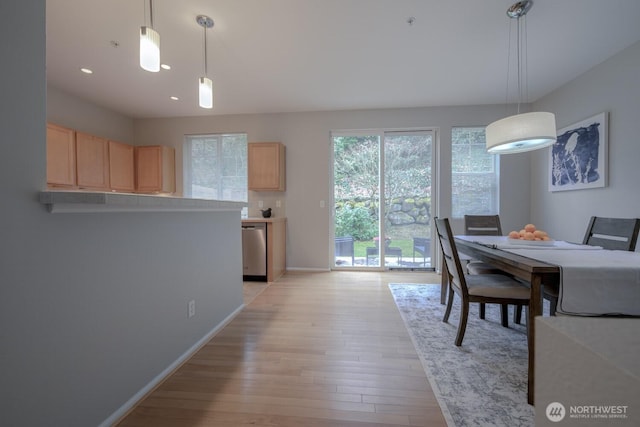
{"type": "Point", "coordinates": [175, 98]}
{"type": "Point", "coordinates": [86, 70]}
{"type": "Point", "coordinates": [165, 66]}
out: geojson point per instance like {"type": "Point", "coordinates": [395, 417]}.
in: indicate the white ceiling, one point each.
{"type": "Point", "coordinates": [269, 56]}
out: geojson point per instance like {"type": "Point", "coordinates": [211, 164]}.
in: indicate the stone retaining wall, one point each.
{"type": "Point", "coordinates": [404, 210]}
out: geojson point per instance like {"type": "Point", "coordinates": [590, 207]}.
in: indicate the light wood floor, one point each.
{"type": "Point", "coordinates": [310, 350]}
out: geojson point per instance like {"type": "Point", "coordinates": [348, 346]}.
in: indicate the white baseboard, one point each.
{"type": "Point", "coordinates": [308, 269]}
{"type": "Point", "coordinates": [124, 409]}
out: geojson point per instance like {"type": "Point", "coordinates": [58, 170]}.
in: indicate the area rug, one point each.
{"type": "Point", "coordinates": [484, 381]}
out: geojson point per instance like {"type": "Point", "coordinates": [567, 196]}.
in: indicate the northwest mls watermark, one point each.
{"type": "Point", "coordinates": [557, 412]}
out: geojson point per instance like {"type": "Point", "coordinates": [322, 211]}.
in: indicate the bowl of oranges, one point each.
{"type": "Point", "coordinates": [530, 235]}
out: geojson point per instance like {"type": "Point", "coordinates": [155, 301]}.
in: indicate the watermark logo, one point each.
{"type": "Point", "coordinates": [608, 412]}
{"type": "Point", "coordinates": [555, 412]}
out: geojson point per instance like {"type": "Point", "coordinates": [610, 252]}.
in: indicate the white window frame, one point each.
{"type": "Point", "coordinates": [494, 190]}
{"type": "Point", "coordinates": [187, 161]}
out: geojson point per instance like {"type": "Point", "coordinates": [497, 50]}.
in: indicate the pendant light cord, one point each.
{"type": "Point", "coordinates": [518, 43]}
{"type": "Point", "coordinates": [205, 22]}
{"type": "Point", "coordinates": [506, 96]}
{"type": "Point", "coordinates": [523, 90]}
{"type": "Point", "coordinates": [205, 50]}
{"type": "Point", "coordinates": [151, 13]}
{"type": "Point", "coordinates": [517, 12]}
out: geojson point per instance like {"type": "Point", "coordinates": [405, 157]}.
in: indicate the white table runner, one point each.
{"type": "Point", "coordinates": [593, 281]}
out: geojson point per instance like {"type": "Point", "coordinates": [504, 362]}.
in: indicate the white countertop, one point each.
{"type": "Point", "coordinates": [261, 219]}
{"type": "Point", "coordinates": [85, 202]}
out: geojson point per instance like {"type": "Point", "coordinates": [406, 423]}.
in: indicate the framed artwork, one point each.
{"type": "Point", "coordinates": [578, 159]}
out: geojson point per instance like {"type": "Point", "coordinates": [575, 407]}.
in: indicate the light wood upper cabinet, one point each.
{"type": "Point", "coordinates": [92, 157]}
{"type": "Point", "coordinates": [121, 167]}
{"type": "Point", "coordinates": [266, 166]}
{"type": "Point", "coordinates": [61, 156]}
{"type": "Point", "coordinates": [80, 160]}
{"type": "Point", "coordinates": [155, 169]}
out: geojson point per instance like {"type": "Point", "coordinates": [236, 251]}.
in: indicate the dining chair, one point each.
{"type": "Point", "coordinates": [480, 288]}
{"type": "Point", "coordinates": [484, 225]}
{"type": "Point", "coordinates": [612, 233]}
{"type": "Point", "coordinates": [609, 233]}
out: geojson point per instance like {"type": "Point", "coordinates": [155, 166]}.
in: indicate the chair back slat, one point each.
{"type": "Point", "coordinates": [450, 254]}
{"type": "Point", "coordinates": [482, 225]}
{"type": "Point", "coordinates": [613, 233]}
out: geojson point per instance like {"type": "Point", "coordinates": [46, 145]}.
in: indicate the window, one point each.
{"type": "Point", "coordinates": [474, 173]}
{"type": "Point", "coordinates": [215, 167]}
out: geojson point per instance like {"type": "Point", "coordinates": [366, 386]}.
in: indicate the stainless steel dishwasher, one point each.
{"type": "Point", "coordinates": [254, 252]}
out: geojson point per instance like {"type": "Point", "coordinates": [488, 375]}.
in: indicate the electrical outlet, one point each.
{"type": "Point", "coordinates": [322, 203]}
{"type": "Point", "coordinates": [278, 204]}
{"type": "Point", "coordinates": [260, 203]}
{"type": "Point", "coordinates": [192, 308]}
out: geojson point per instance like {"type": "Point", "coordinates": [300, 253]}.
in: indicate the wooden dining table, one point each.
{"type": "Point", "coordinates": [576, 272]}
{"type": "Point", "coordinates": [533, 272]}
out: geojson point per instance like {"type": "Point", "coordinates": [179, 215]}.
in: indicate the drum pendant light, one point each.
{"type": "Point", "coordinates": [150, 45]}
{"type": "Point", "coordinates": [527, 131]}
{"type": "Point", "coordinates": [205, 85]}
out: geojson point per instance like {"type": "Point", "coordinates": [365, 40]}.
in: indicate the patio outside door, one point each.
{"type": "Point", "coordinates": [382, 199]}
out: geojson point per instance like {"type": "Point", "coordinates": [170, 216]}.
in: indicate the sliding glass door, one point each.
{"type": "Point", "coordinates": [382, 199]}
{"type": "Point", "coordinates": [407, 198]}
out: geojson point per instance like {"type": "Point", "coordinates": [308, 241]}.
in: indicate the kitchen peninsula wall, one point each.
{"type": "Point", "coordinates": [102, 297]}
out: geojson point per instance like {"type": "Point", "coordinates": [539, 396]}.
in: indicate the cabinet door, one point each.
{"type": "Point", "coordinates": [266, 166]}
{"type": "Point", "coordinates": [92, 154]}
{"type": "Point", "coordinates": [121, 167]}
{"type": "Point", "coordinates": [155, 169]}
{"type": "Point", "coordinates": [61, 156]}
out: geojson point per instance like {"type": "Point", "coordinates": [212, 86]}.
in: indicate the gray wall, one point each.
{"type": "Point", "coordinates": [92, 306]}
{"type": "Point", "coordinates": [307, 138]}
{"type": "Point", "coordinates": [611, 86]}
{"type": "Point", "coordinates": [67, 110]}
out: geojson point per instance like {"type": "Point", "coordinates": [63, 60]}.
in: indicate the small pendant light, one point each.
{"type": "Point", "coordinates": [205, 85]}
{"type": "Point", "coordinates": [150, 45]}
